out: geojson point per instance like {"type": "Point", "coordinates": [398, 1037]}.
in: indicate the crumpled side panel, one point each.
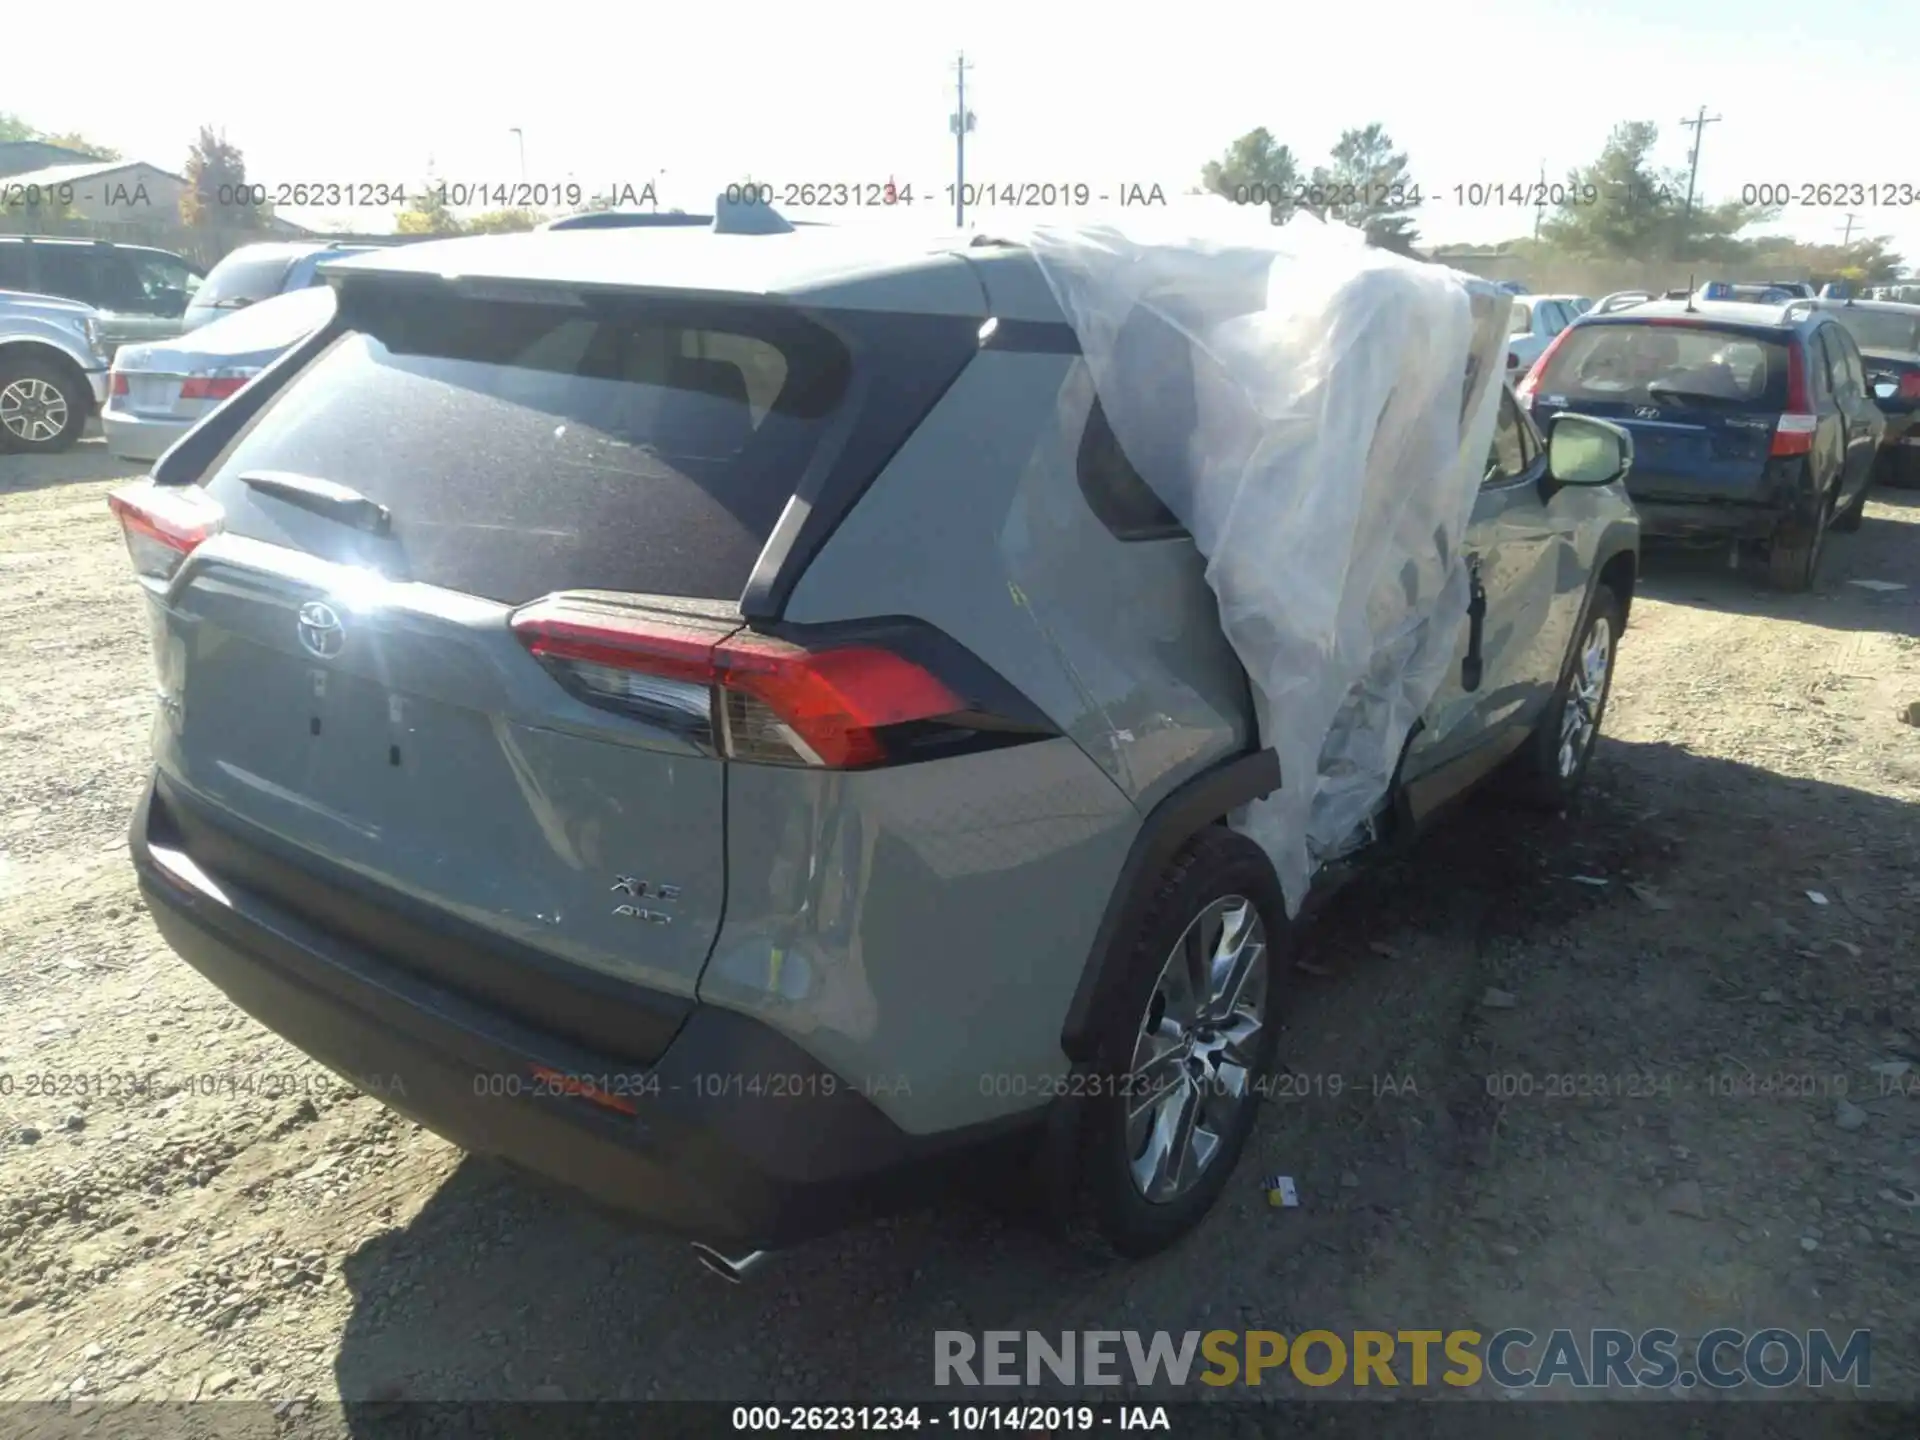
{"type": "Point", "coordinates": [1318, 413]}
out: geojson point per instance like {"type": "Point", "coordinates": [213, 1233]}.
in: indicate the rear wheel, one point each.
{"type": "Point", "coordinates": [42, 407]}
{"type": "Point", "coordinates": [1190, 1036]}
{"type": "Point", "coordinates": [1793, 559]}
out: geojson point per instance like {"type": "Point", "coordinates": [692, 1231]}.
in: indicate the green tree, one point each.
{"type": "Point", "coordinates": [1367, 167]}
{"type": "Point", "coordinates": [1623, 206]}
{"type": "Point", "coordinates": [216, 195]}
{"type": "Point", "coordinates": [502, 222]}
{"type": "Point", "coordinates": [427, 213]}
{"type": "Point", "coordinates": [1256, 168]}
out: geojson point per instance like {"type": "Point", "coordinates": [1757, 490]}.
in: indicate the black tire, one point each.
{"type": "Point", "coordinates": [1216, 867]}
{"type": "Point", "coordinates": [1793, 557]}
{"type": "Point", "coordinates": [1900, 468]}
{"type": "Point", "coordinates": [35, 393]}
{"type": "Point", "coordinates": [1541, 775]}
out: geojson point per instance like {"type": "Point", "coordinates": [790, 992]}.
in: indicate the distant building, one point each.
{"type": "Point", "coordinates": [19, 156]}
{"type": "Point", "coordinates": [116, 193]}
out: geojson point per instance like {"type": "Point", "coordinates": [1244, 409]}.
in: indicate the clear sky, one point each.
{"type": "Point", "coordinates": [846, 90]}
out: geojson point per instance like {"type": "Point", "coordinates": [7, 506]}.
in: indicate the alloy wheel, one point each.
{"type": "Point", "coordinates": [32, 410]}
{"type": "Point", "coordinates": [1194, 1057]}
{"type": "Point", "coordinates": [1586, 692]}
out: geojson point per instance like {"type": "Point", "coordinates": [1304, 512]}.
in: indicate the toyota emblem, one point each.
{"type": "Point", "coordinates": [321, 634]}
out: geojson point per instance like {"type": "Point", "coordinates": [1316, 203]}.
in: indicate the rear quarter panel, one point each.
{"type": "Point", "coordinates": [933, 921]}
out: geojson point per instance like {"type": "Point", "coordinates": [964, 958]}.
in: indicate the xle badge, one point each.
{"type": "Point", "coordinates": [644, 890]}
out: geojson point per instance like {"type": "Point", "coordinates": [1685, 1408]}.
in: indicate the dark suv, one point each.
{"type": "Point", "coordinates": [1753, 424]}
{"type": "Point", "coordinates": [141, 293]}
{"type": "Point", "coordinates": [1888, 334]}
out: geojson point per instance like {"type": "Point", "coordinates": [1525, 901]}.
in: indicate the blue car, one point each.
{"type": "Point", "coordinates": [259, 272]}
{"type": "Point", "coordinates": [1752, 424]}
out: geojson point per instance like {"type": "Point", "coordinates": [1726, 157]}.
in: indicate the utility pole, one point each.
{"type": "Point", "coordinates": [1540, 210]}
{"type": "Point", "coordinates": [961, 123]}
{"type": "Point", "coordinates": [1698, 125]}
{"type": "Point", "coordinates": [521, 136]}
{"type": "Point", "coordinates": [1847, 239]}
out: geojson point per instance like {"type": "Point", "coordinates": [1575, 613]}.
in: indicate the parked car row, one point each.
{"type": "Point", "coordinates": [144, 302]}
{"type": "Point", "coordinates": [1758, 419]}
{"type": "Point", "coordinates": [133, 299]}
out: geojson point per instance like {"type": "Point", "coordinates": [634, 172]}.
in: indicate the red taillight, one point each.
{"type": "Point", "coordinates": [117, 385]}
{"type": "Point", "coordinates": [1523, 392]}
{"type": "Point", "coordinates": [749, 697]}
{"type": "Point", "coordinates": [164, 523]}
{"type": "Point", "coordinates": [211, 387]}
{"type": "Point", "coordinates": [1793, 433]}
{"type": "Point", "coordinates": [1910, 386]}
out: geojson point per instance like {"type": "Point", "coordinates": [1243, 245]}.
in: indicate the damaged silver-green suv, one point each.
{"type": "Point", "coordinates": [720, 722]}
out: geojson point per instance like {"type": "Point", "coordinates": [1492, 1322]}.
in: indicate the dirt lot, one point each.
{"type": "Point", "coordinates": [1732, 920]}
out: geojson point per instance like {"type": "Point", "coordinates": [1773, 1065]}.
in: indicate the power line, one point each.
{"type": "Point", "coordinates": [961, 123]}
{"type": "Point", "coordinates": [1698, 125]}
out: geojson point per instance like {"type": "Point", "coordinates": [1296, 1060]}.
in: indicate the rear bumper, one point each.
{"type": "Point", "coordinates": [1708, 520]}
{"type": "Point", "coordinates": [135, 438]}
{"type": "Point", "coordinates": [736, 1136]}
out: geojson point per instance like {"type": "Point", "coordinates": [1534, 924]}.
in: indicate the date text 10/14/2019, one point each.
{"type": "Point", "coordinates": [960, 1419]}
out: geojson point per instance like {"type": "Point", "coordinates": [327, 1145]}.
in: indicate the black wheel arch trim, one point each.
{"type": "Point", "coordinates": [1206, 798]}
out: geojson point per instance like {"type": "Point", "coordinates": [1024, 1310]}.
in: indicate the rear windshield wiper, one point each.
{"type": "Point", "coordinates": [323, 497]}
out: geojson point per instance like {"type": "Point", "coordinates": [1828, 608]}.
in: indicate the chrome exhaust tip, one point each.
{"type": "Point", "coordinates": [732, 1271]}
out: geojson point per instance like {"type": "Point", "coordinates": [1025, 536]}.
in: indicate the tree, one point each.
{"type": "Point", "coordinates": [217, 194]}
{"type": "Point", "coordinates": [502, 222]}
{"type": "Point", "coordinates": [1366, 168]}
{"type": "Point", "coordinates": [1623, 206]}
{"type": "Point", "coordinates": [428, 213]}
{"type": "Point", "coordinates": [1255, 170]}
{"type": "Point", "coordinates": [13, 128]}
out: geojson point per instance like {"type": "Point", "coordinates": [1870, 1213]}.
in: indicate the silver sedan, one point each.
{"type": "Point", "coordinates": [159, 391]}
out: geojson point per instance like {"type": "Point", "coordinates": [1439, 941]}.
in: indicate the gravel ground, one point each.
{"type": "Point", "coordinates": [1731, 919]}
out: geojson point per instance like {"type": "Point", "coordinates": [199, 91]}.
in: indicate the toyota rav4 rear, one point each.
{"type": "Point", "coordinates": [495, 767]}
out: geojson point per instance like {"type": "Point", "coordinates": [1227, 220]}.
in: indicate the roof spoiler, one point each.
{"type": "Point", "coordinates": [1620, 300]}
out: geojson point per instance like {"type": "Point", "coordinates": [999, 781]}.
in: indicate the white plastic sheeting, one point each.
{"type": "Point", "coordinates": [1318, 414]}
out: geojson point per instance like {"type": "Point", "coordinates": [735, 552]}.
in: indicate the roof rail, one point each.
{"type": "Point", "coordinates": [1620, 300]}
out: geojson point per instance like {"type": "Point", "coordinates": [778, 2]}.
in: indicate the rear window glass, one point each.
{"type": "Point", "coordinates": [1641, 364]}
{"type": "Point", "coordinates": [1881, 329]}
{"type": "Point", "coordinates": [274, 324]}
{"type": "Point", "coordinates": [524, 448]}
{"type": "Point", "coordinates": [244, 277]}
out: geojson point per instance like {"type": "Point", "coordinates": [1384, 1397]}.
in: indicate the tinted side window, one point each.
{"type": "Point", "coordinates": [1848, 354]}
{"type": "Point", "coordinates": [1822, 369]}
{"type": "Point", "coordinates": [69, 272]}
{"type": "Point", "coordinates": [1115, 492]}
{"type": "Point", "coordinates": [1509, 457]}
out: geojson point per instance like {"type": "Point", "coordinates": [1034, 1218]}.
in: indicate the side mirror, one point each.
{"type": "Point", "coordinates": [1584, 451]}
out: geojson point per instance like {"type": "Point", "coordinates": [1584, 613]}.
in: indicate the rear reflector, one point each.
{"type": "Point", "coordinates": [745, 696]}
{"type": "Point", "coordinates": [164, 523]}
